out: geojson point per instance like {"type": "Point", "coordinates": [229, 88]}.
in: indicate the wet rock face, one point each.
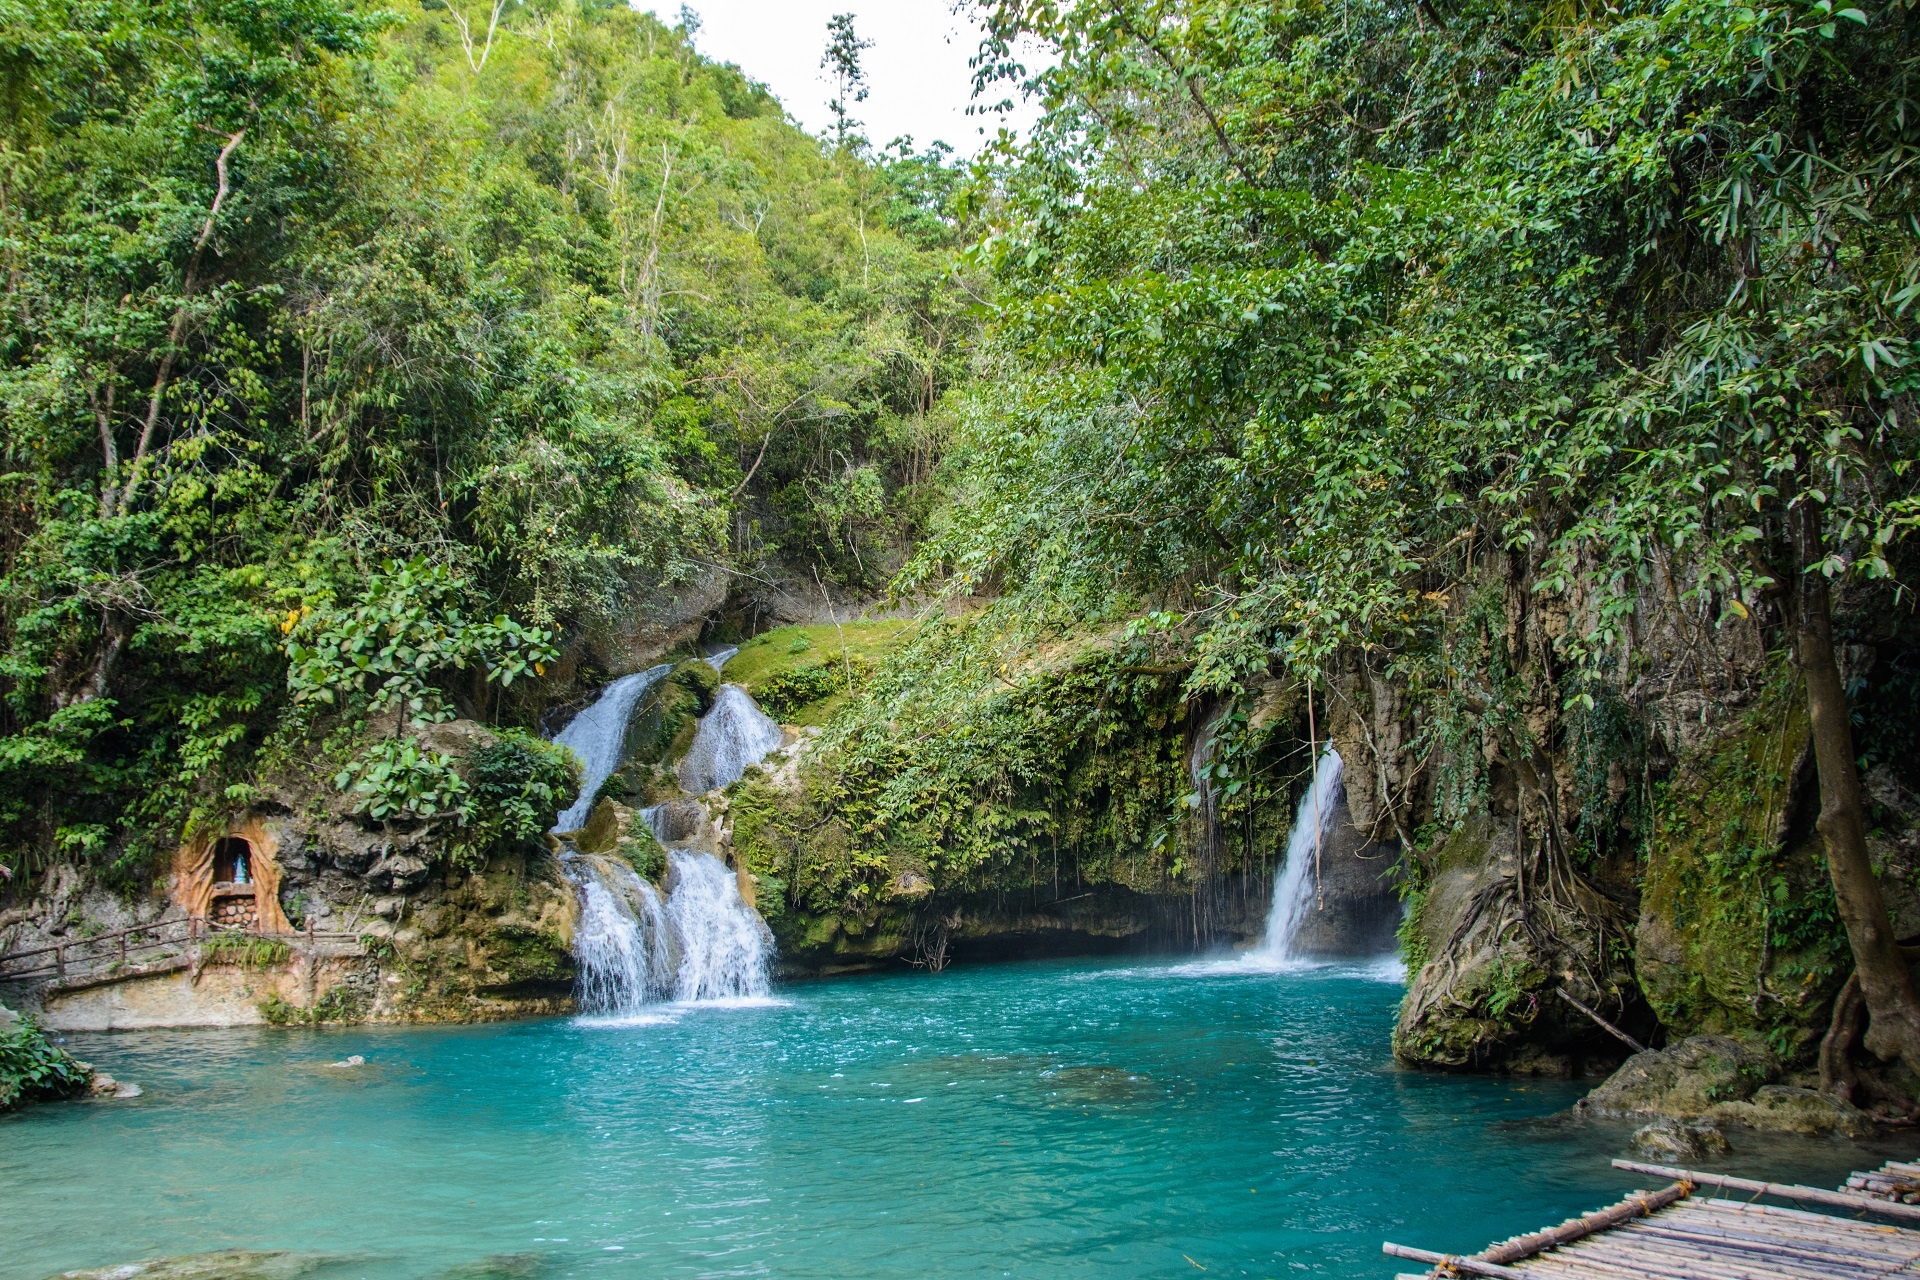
{"type": "Point", "coordinates": [398, 873]}
{"type": "Point", "coordinates": [681, 822]}
{"type": "Point", "coordinates": [1720, 1080]}
{"type": "Point", "coordinates": [1356, 908]}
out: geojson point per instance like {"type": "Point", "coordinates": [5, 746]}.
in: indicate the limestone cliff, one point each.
{"type": "Point", "coordinates": [383, 920]}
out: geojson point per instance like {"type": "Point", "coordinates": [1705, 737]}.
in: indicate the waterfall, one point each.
{"type": "Point", "coordinates": [598, 735]}
{"type": "Point", "coordinates": [732, 736]}
{"type": "Point", "coordinates": [1206, 849]}
{"type": "Point", "coordinates": [1293, 886]}
{"type": "Point", "coordinates": [724, 946]}
{"type": "Point", "coordinates": [704, 943]}
{"type": "Point", "coordinates": [718, 659]}
{"type": "Point", "coordinates": [621, 943]}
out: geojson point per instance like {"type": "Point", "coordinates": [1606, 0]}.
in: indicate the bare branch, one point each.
{"type": "Point", "coordinates": [179, 326]}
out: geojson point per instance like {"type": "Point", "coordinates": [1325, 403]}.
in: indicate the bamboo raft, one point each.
{"type": "Point", "coordinates": [1676, 1234]}
{"type": "Point", "coordinates": [1891, 1181]}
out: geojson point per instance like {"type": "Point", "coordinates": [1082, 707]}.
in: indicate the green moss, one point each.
{"type": "Point", "coordinates": [246, 951]}
{"type": "Point", "coordinates": [770, 661]}
{"type": "Point", "coordinates": [643, 853]}
{"type": "Point", "coordinates": [1739, 931]}
{"type": "Point", "coordinates": [663, 724]}
{"type": "Point", "coordinates": [1074, 777]}
{"type": "Point", "coordinates": [341, 1003]}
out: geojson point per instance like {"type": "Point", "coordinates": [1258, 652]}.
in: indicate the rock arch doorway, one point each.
{"type": "Point", "coordinates": [231, 878]}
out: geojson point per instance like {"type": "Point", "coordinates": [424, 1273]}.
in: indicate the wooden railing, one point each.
{"type": "Point", "coordinates": [86, 958]}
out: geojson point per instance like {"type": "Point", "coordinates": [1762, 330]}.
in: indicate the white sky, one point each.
{"type": "Point", "coordinates": [917, 75]}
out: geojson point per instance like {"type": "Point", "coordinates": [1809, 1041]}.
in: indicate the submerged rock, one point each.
{"type": "Point", "coordinates": [1724, 1080]}
{"type": "Point", "coordinates": [105, 1086]}
{"type": "Point", "coordinates": [225, 1264]}
{"type": "Point", "coordinates": [1679, 1140]}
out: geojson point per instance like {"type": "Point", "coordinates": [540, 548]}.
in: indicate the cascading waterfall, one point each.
{"type": "Point", "coordinates": [704, 943]}
{"type": "Point", "coordinates": [724, 945]}
{"type": "Point", "coordinates": [598, 735]}
{"type": "Point", "coordinates": [1293, 887]}
{"type": "Point", "coordinates": [621, 941]}
{"type": "Point", "coordinates": [733, 736]}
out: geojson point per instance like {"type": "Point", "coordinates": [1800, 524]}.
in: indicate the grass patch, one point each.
{"type": "Point", "coordinates": [788, 649]}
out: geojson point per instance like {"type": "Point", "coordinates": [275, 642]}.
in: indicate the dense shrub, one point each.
{"type": "Point", "coordinates": [33, 1068]}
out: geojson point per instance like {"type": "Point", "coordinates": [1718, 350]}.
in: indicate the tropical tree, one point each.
{"type": "Point", "coordinates": [1310, 316]}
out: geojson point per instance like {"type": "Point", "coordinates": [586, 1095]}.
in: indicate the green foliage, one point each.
{"type": "Point", "coordinates": [406, 631]}
{"type": "Point", "coordinates": [1312, 318]}
{"type": "Point", "coordinates": [644, 854]}
{"type": "Point", "coordinates": [33, 1068]}
{"type": "Point", "coordinates": [979, 774]}
{"type": "Point", "coordinates": [245, 951]}
{"type": "Point", "coordinates": [341, 1003]}
{"type": "Point", "coordinates": [352, 366]}
{"type": "Point", "coordinates": [399, 778]}
{"type": "Point", "coordinates": [786, 692]}
{"type": "Point", "coordinates": [519, 784]}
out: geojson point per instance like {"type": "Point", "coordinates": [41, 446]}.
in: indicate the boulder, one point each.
{"type": "Point", "coordinates": [1684, 1079]}
{"type": "Point", "coordinates": [1780, 1108]}
{"type": "Point", "coordinates": [1669, 1140]}
{"type": "Point", "coordinates": [1723, 1080]}
{"type": "Point", "coordinates": [398, 873]}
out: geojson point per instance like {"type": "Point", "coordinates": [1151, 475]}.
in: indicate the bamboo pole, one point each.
{"type": "Point", "coordinates": [1727, 1263]}
{"type": "Point", "coordinates": [1472, 1266]}
{"type": "Point", "coordinates": [1809, 1195]}
{"type": "Point", "coordinates": [1634, 1206]}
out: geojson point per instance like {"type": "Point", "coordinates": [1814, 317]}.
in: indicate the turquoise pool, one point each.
{"type": "Point", "coordinates": [1044, 1119]}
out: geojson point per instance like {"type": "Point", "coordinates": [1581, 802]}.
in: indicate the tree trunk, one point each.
{"type": "Point", "coordinates": [1885, 980]}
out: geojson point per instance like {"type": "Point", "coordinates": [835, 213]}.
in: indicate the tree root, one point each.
{"type": "Point", "coordinates": [1838, 1079]}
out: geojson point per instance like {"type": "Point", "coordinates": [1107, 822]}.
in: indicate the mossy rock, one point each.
{"type": "Point", "coordinates": [496, 944]}
{"type": "Point", "coordinates": [697, 676]}
{"type": "Point", "coordinates": [1738, 933]}
{"type": "Point", "coordinates": [1723, 1080]}
{"type": "Point", "coordinates": [647, 856]}
{"type": "Point", "coordinates": [772, 662]}
{"type": "Point", "coordinates": [663, 724]}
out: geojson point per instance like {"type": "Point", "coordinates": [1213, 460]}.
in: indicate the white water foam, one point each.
{"type": "Point", "coordinates": [642, 961]}
{"type": "Point", "coordinates": [598, 735]}
{"type": "Point", "coordinates": [734, 735]}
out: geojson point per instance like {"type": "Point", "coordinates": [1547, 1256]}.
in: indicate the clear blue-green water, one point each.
{"type": "Point", "coordinates": [1041, 1119]}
